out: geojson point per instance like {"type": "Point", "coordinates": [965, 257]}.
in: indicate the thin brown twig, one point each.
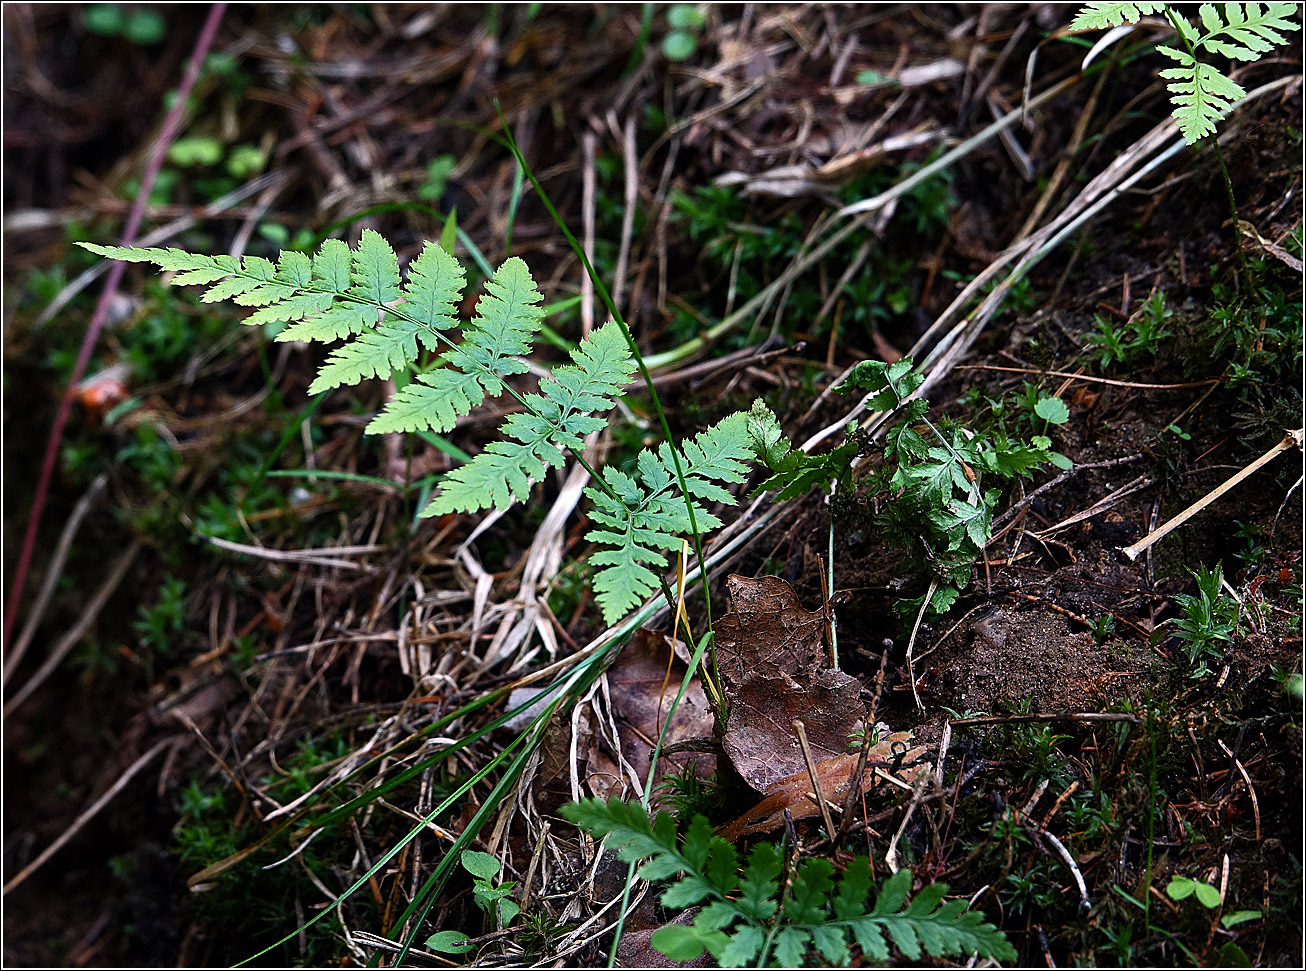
{"type": "Point", "coordinates": [79, 629]}
{"type": "Point", "coordinates": [1069, 716]}
{"type": "Point", "coordinates": [1291, 439]}
{"type": "Point", "coordinates": [53, 572]}
{"type": "Point", "coordinates": [89, 813]}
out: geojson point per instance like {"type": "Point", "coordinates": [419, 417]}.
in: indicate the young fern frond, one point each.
{"type": "Point", "coordinates": [359, 297]}
{"type": "Point", "coordinates": [1200, 93]}
{"type": "Point", "coordinates": [748, 919]}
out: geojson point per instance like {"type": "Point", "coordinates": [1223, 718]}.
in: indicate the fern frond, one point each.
{"type": "Point", "coordinates": [645, 517]}
{"type": "Point", "coordinates": [1098, 16]}
{"type": "Point", "coordinates": [742, 913]}
{"type": "Point", "coordinates": [1200, 93]}
{"type": "Point", "coordinates": [557, 418]}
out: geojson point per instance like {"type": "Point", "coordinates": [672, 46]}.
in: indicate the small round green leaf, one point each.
{"type": "Point", "coordinates": [1207, 895]}
{"type": "Point", "coordinates": [245, 161]}
{"type": "Point", "coordinates": [145, 27]}
{"type": "Point", "coordinates": [1233, 956]}
{"type": "Point", "coordinates": [679, 46]}
{"type": "Point", "coordinates": [448, 942]}
{"type": "Point", "coordinates": [105, 19]}
{"type": "Point", "coordinates": [677, 942]}
{"type": "Point", "coordinates": [685, 16]}
{"type": "Point", "coordinates": [196, 150]}
{"type": "Point", "coordinates": [1052, 410]}
{"type": "Point", "coordinates": [480, 864]}
{"type": "Point", "coordinates": [1180, 888]}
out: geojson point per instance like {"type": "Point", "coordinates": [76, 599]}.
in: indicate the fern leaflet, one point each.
{"type": "Point", "coordinates": [557, 418]}
{"type": "Point", "coordinates": [643, 514]}
{"type": "Point", "coordinates": [1098, 16]}
{"type": "Point", "coordinates": [1200, 93]}
{"type": "Point", "coordinates": [742, 913]}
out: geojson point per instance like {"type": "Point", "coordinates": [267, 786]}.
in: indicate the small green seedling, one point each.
{"type": "Point", "coordinates": [490, 896]}
{"type": "Point", "coordinates": [1102, 628]}
{"type": "Point", "coordinates": [1181, 888]}
{"type": "Point", "coordinates": [144, 27]}
{"type": "Point", "coordinates": [680, 43]}
{"type": "Point", "coordinates": [1210, 619]}
{"type": "Point", "coordinates": [438, 171]}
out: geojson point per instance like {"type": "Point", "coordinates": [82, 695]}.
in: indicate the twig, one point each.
{"type": "Point", "coordinates": [79, 629]}
{"type": "Point", "coordinates": [1065, 716]}
{"type": "Point", "coordinates": [918, 797]}
{"type": "Point", "coordinates": [1090, 378]}
{"type": "Point", "coordinates": [1291, 439]}
{"type": "Point", "coordinates": [1084, 903]}
{"type": "Point", "coordinates": [1053, 483]}
{"type": "Point", "coordinates": [868, 727]}
{"type": "Point", "coordinates": [89, 814]}
{"type": "Point", "coordinates": [911, 673]}
{"type": "Point", "coordinates": [1101, 506]}
{"type": "Point", "coordinates": [1251, 790]}
{"type": "Point", "coordinates": [315, 557]}
{"type": "Point", "coordinates": [817, 792]}
{"type": "Point", "coordinates": [52, 573]}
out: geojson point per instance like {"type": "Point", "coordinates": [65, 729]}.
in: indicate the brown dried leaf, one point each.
{"type": "Point", "coordinates": [640, 703]}
{"type": "Point", "coordinates": [835, 775]}
{"type": "Point", "coordinates": [771, 656]}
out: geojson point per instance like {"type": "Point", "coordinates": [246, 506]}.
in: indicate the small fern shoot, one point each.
{"type": "Point", "coordinates": [753, 919]}
{"type": "Point", "coordinates": [385, 321]}
{"type": "Point", "coordinates": [1200, 93]}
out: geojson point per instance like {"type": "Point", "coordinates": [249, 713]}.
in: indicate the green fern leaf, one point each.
{"type": "Point", "coordinates": [1201, 96]}
{"type": "Point", "coordinates": [640, 518]}
{"type": "Point", "coordinates": [505, 325]}
{"type": "Point", "coordinates": [557, 418]}
{"type": "Point", "coordinates": [741, 951]}
{"type": "Point", "coordinates": [1098, 16]}
{"type": "Point", "coordinates": [736, 922]}
{"type": "Point", "coordinates": [434, 402]}
{"type": "Point", "coordinates": [790, 947]}
{"type": "Point", "coordinates": [1249, 31]}
{"type": "Point", "coordinates": [167, 259]}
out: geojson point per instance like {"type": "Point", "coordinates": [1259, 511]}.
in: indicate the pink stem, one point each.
{"type": "Point", "coordinates": [170, 126]}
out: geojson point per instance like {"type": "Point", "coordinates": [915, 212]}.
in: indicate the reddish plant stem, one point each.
{"type": "Point", "coordinates": [171, 125]}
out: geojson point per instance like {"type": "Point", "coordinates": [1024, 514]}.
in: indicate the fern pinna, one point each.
{"type": "Point", "coordinates": [357, 296]}
{"type": "Point", "coordinates": [1200, 93]}
{"type": "Point", "coordinates": [754, 919]}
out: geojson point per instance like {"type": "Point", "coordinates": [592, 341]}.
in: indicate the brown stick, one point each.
{"type": "Point", "coordinates": [1291, 439]}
